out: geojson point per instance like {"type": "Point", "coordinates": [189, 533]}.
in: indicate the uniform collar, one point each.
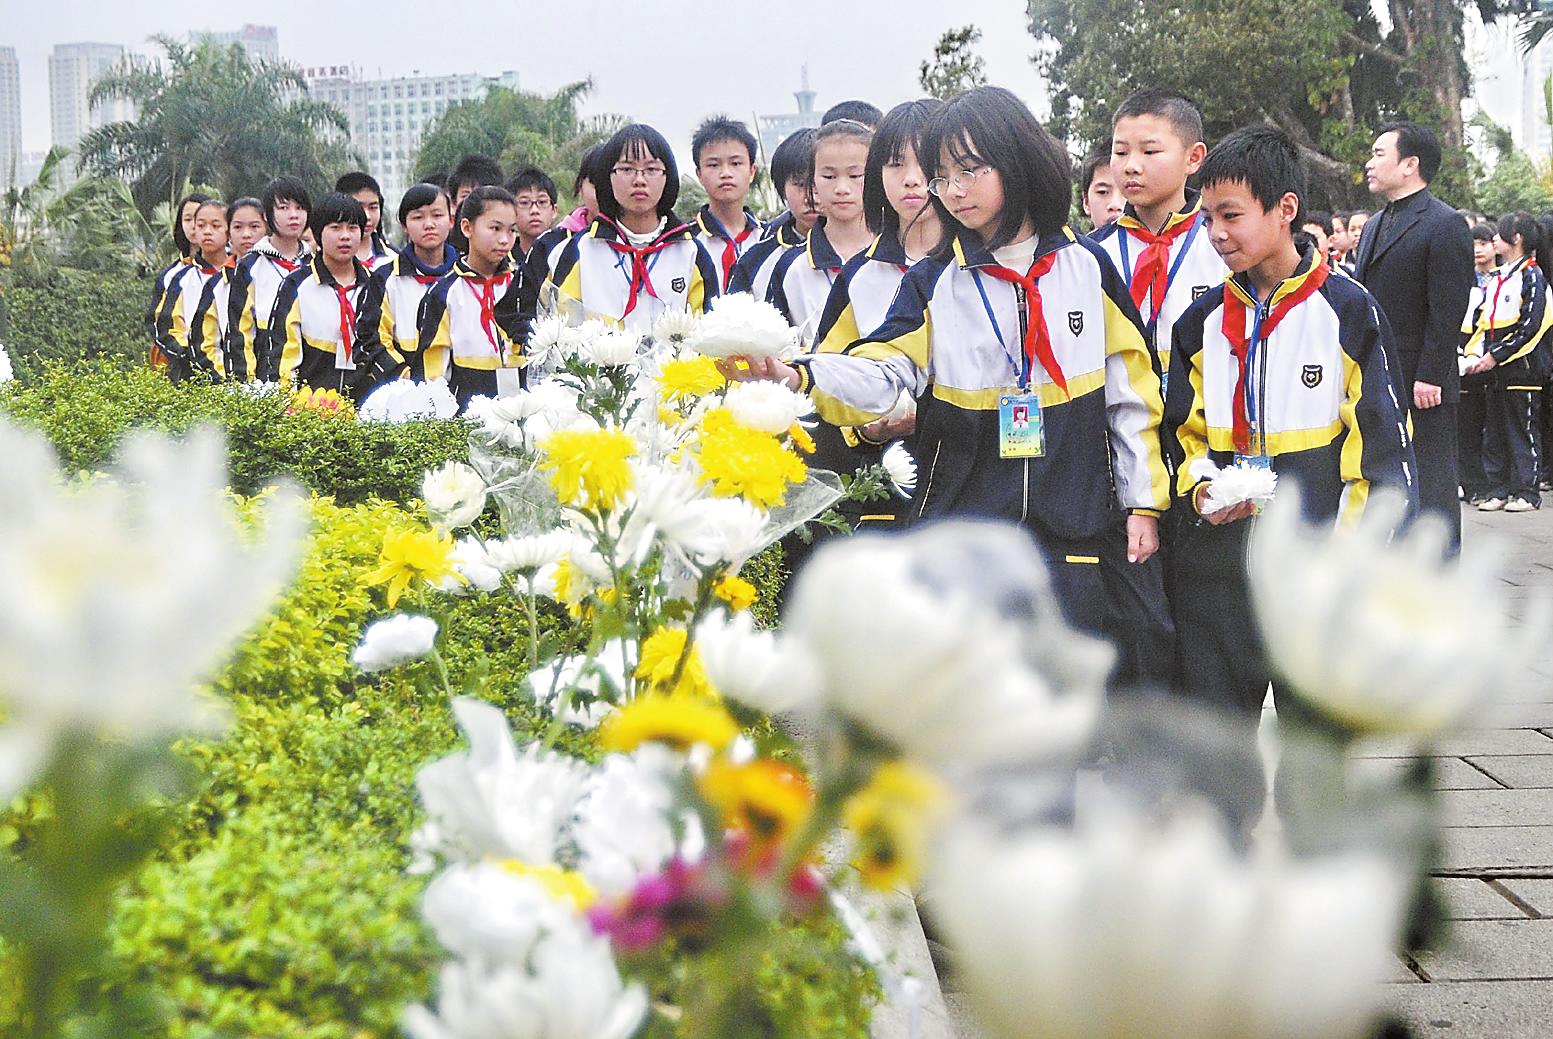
{"type": "Point", "coordinates": [265, 247]}
{"type": "Point", "coordinates": [887, 249]}
{"type": "Point", "coordinates": [707, 224]}
{"type": "Point", "coordinates": [605, 229]}
{"type": "Point", "coordinates": [1508, 269]}
{"type": "Point", "coordinates": [818, 250]}
{"type": "Point", "coordinates": [970, 251]}
{"type": "Point", "coordinates": [409, 265]}
{"type": "Point", "coordinates": [321, 271]}
{"type": "Point", "coordinates": [463, 270]}
{"type": "Point", "coordinates": [1240, 284]}
{"type": "Point", "coordinates": [1129, 218]}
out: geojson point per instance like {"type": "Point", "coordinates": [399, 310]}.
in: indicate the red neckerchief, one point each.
{"type": "Point", "coordinates": [1153, 269]}
{"type": "Point", "coordinates": [347, 318]}
{"type": "Point", "coordinates": [289, 265]}
{"type": "Point", "coordinates": [1038, 340]}
{"type": "Point", "coordinates": [484, 290]}
{"type": "Point", "coordinates": [426, 279]}
{"type": "Point", "coordinates": [1234, 329]}
{"type": "Point", "coordinates": [1516, 268]}
{"type": "Point", "coordinates": [731, 250]}
{"type": "Point", "coordinates": [641, 276]}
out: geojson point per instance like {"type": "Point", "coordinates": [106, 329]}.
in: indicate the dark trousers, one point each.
{"type": "Point", "coordinates": [1434, 446]}
{"type": "Point", "coordinates": [1512, 445]}
{"type": "Point", "coordinates": [1076, 581]}
{"type": "Point", "coordinates": [1545, 471]}
{"type": "Point", "coordinates": [1471, 415]}
{"type": "Point", "coordinates": [1137, 617]}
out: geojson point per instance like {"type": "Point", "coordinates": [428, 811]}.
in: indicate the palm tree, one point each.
{"type": "Point", "coordinates": [214, 116]}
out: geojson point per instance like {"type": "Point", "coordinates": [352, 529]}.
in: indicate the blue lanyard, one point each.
{"type": "Point", "coordinates": [719, 231]}
{"type": "Point", "coordinates": [1021, 365]}
{"type": "Point", "coordinates": [1253, 406]}
{"type": "Point", "coordinates": [1170, 276]}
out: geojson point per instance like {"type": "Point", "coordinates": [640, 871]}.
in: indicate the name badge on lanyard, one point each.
{"type": "Point", "coordinates": [1021, 426]}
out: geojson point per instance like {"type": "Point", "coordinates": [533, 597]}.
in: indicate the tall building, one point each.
{"type": "Point", "coordinates": [74, 69]}
{"type": "Point", "coordinates": [10, 119]}
{"type": "Point", "coordinates": [774, 128]}
{"type": "Point", "coordinates": [388, 116]}
{"type": "Point", "coordinates": [262, 42]}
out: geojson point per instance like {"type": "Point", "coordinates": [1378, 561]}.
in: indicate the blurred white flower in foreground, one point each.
{"type": "Point", "coordinates": [122, 593]}
{"type": "Point", "coordinates": [454, 495]}
{"type": "Point", "coordinates": [1122, 930]}
{"type": "Point", "coordinates": [622, 829]}
{"type": "Point", "coordinates": [1381, 635]}
{"type": "Point", "coordinates": [494, 799]}
{"type": "Point", "coordinates": [949, 643]}
{"type": "Point", "coordinates": [7, 373]}
{"type": "Point", "coordinates": [767, 406]}
{"type": "Point", "coordinates": [486, 909]}
{"type": "Point", "coordinates": [395, 640]}
{"type": "Point", "coordinates": [600, 677]}
{"type": "Point", "coordinates": [739, 325]}
{"type": "Point", "coordinates": [754, 667]}
{"type": "Point", "coordinates": [405, 400]}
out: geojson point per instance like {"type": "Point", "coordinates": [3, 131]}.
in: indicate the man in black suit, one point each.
{"type": "Point", "coordinates": [1415, 257]}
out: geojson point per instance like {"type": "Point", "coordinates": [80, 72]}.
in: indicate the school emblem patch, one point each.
{"type": "Point", "coordinates": [1198, 292]}
{"type": "Point", "coordinates": [1310, 375]}
{"type": "Point", "coordinates": [1076, 322]}
{"type": "Point", "coordinates": [678, 284]}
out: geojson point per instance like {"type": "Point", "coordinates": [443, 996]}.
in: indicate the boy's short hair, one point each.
{"type": "Point", "coordinates": [437, 177]}
{"type": "Point", "coordinates": [1483, 232]}
{"type": "Point", "coordinates": [474, 171]}
{"type": "Point", "coordinates": [1415, 140]}
{"type": "Point", "coordinates": [721, 128]}
{"type": "Point", "coordinates": [1320, 218]}
{"type": "Point", "coordinates": [857, 111]}
{"type": "Point", "coordinates": [357, 181]}
{"type": "Point", "coordinates": [482, 198]}
{"type": "Point", "coordinates": [246, 202]}
{"type": "Point", "coordinates": [1264, 159]}
{"type": "Point", "coordinates": [1174, 108]}
{"type": "Point", "coordinates": [585, 170]}
{"type": "Point", "coordinates": [419, 195]}
{"type": "Point", "coordinates": [337, 207]}
{"type": "Point", "coordinates": [1091, 166]}
{"type": "Point", "coordinates": [530, 177]}
{"type": "Point", "coordinates": [1360, 212]}
{"type": "Point", "coordinates": [1341, 214]}
{"type": "Point", "coordinates": [283, 189]}
{"type": "Point", "coordinates": [792, 158]}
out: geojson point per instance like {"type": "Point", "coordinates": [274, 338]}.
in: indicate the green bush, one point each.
{"type": "Point", "coordinates": [60, 314]}
{"type": "Point", "coordinates": [86, 409]}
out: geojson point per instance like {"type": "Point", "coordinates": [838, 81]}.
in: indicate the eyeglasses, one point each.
{"type": "Point", "coordinates": [645, 172]}
{"type": "Point", "coordinates": [962, 181]}
{"type": "Point", "coordinates": [534, 203]}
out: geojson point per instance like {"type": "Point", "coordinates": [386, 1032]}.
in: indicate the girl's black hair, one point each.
{"type": "Point", "coordinates": [635, 143]}
{"type": "Point", "coordinates": [990, 126]}
{"type": "Point", "coordinates": [181, 240]}
{"type": "Point", "coordinates": [1524, 224]}
{"type": "Point", "coordinates": [901, 128]}
{"type": "Point", "coordinates": [585, 170]}
{"type": "Point", "coordinates": [482, 198]}
{"type": "Point", "coordinates": [1545, 241]}
{"type": "Point", "coordinates": [335, 208]}
{"type": "Point", "coordinates": [246, 202]}
{"type": "Point", "coordinates": [848, 128]}
{"type": "Point", "coordinates": [419, 195]}
{"type": "Point", "coordinates": [792, 158]}
{"type": "Point", "coordinates": [283, 189]}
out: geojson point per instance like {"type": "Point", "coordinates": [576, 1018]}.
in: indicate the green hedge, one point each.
{"type": "Point", "coordinates": [59, 314]}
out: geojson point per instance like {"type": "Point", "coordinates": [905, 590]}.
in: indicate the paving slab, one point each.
{"type": "Point", "coordinates": [1535, 892]}
{"type": "Point", "coordinates": [1522, 771]}
{"type": "Point", "coordinates": [1471, 899]}
{"type": "Point", "coordinates": [1497, 849]}
{"type": "Point", "coordinates": [1517, 716]}
{"type": "Point", "coordinates": [1475, 1010]}
{"type": "Point", "coordinates": [1449, 773]}
{"type": "Point", "coordinates": [1526, 807]}
{"type": "Point", "coordinates": [1483, 950]}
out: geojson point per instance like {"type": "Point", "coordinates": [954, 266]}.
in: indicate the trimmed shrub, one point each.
{"type": "Point", "coordinates": [60, 314]}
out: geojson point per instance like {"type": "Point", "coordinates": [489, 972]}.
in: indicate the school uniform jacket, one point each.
{"type": "Point", "coordinates": [315, 324]}
{"type": "Point", "coordinates": [207, 326]}
{"type": "Point", "coordinates": [600, 272]}
{"type": "Point", "coordinates": [726, 244]}
{"type": "Point", "coordinates": [802, 279]}
{"type": "Point", "coordinates": [752, 273]}
{"type": "Point", "coordinates": [954, 339]}
{"type": "Point", "coordinates": [468, 329]}
{"type": "Point", "coordinates": [532, 270]}
{"type": "Point", "coordinates": [1319, 396]}
{"type": "Point", "coordinates": [1189, 267]}
{"type": "Point", "coordinates": [159, 292]}
{"type": "Point", "coordinates": [251, 352]}
{"type": "Point", "coordinates": [180, 304]}
{"type": "Point", "coordinates": [391, 316]}
{"type": "Point", "coordinates": [381, 253]}
{"type": "Point", "coordinates": [1513, 324]}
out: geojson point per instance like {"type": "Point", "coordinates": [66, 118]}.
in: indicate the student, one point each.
{"type": "Point", "coordinates": [1472, 412]}
{"type": "Point", "coordinates": [1356, 221]}
{"type": "Point", "coordinates": [472, 171]}
{"type": "Point", "coordinates": [183, 227]}
{"type": "Point", "coordinates": [534, 192]}
{"type": "Point", "coordinates": [1099, 194]}
{"type": "Point", "coordinates": [1282, 366]}
{"type": "Point", "coordinates": [1012, 310]}
{"type": "Point", "coordinates": [364, 189]}
{"type": "Point", "coordinates": [1157, 243]}
{"type": "Point", "coordinates": [180, 325]}
{"type": "Point", "coordinates": [1339, 243]}
{"type": "Point", "coordinates": [790, 173]}
{"type": "Point", "coordinates": [390, 317]}
{"type": "Point", "coordinates": [724, 153]}
{"type": "Point", "coordinates": [1318, 225]}
{"type": "Point", "coordinates": [585, 189]}
{"type": "Point", "coordinates": [251, 352]}
{"type": "Point", "coordinates": [803, 276]}
{"type": "Point", "coordinates": [317, 307]}
{"type": "Point", "coordinates": [857, 111]}
{"type": "Point", "coordinates": [1507, 342]}
{"type": "Point", "coordinates": [468, 322]}
{"type": "Point", "coordinates": [637, 260]}
{"type": "Point", "coordinates": [245, 226]}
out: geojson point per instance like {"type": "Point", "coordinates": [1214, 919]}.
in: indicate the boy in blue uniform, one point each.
{"type": "Point", "coordinates": [724, 153]}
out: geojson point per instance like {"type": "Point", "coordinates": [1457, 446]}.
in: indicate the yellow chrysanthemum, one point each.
{"type": "Point", "coordinates": [686, 378]}
{"type": "Point", "coordinates": [679, 720]}
{"type": "Point", "coordinates": [890, 819]}
{"type": "Point", "coordinates": [764, 798]}
{"type": "Point", "coordinates": [562, 884]}
{"type": "Point", "coordinates": [660, 656]}
{"type": "Point", "coordinates": [734, 590]}
{"type": "Point", "coordinates": [737, 460]}
{"type": "Point", "coordinates": [801, 438]}
{"type": "Point", "coordinates": [589, 465]}
{"type": "Point", "coordinates": [322, 401]}
{"type": "Point", "coordinates": [411, 555]}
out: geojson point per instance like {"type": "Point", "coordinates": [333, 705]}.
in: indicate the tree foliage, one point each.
{"type": "Point", "coordinates": [213, 116]}
{"type": "Point", "coordinates": [954, 67]}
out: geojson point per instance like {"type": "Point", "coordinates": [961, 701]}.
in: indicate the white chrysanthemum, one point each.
{"type": "Point", "coordinates": [767, 406]}
{"type": "Point", "coordinates": [454, 495]}
{"type": "Point", "coordinates": [1125, 930]}
{"type": "Point", "coordinates": [756, 668]}
{"type": "Point", "coordinates": [494, 799]}
{"type": "Point", "coordinates": [120, 595]}
{"type": "Point", "coordinates": [901, 467]}
{"type": "Point", "coordinates": [739, 325]}
{"type": "Point", "coordinates": [546, 338]}
{"type": "Point", "coordinates": [623, 828]}
{"type": "Point", "coordinates": [395, 640]}
{"type": "Point", "coordinates": [675, 327]}
{"type": "Point", "coordinates": [523, 555]}
{"type": "Point", "coordinates": [471, 562]}
{"type": "Point", "coordinates": [1235, 484]}
{"type": "Point", "coordinates": [404, 400]}
{"type": "Point", "coordinates": [484, 910]}
{"type": "Point", "coordinates": [601, 680]}
{"type": "Point", "coordinates": [726, 531]}
{"type": "Point", "coordinates": [613, 349]}
{"type": "Point", "coordinates": [7, 373]}
{"type": "Point", "coordinates": [1379, 633]}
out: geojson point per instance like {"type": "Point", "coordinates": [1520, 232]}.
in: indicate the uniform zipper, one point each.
{"type": "Point", "coordinates": [932, 472]}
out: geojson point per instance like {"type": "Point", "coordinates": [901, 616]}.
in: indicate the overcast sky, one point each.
{"type": "Point", "coordinates": [665, 62]}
